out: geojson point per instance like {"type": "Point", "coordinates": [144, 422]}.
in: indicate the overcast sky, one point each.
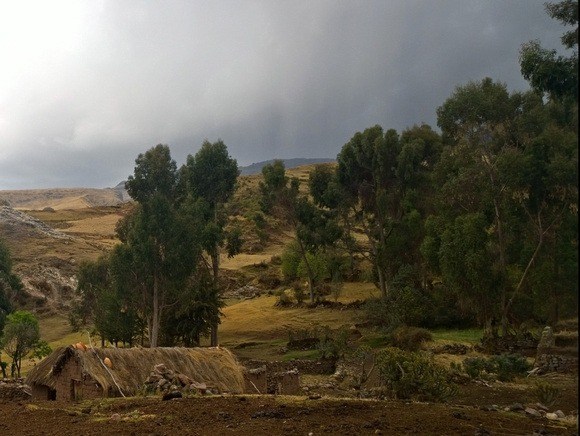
{"type": "Point", "coordinates": [85, 86]}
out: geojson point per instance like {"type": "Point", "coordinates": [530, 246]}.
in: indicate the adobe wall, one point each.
{"type": "Point", "coordinates": [256, 381]}
{"type": "Point", "coordinates": [71, 385]}
{"type": "Point", "coordinates": [287, 383]}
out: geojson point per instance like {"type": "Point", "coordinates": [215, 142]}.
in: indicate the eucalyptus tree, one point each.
{"type": "Point", "coordinates": [504, 182]}
{"type": "Point", "coordinates": [546, 70]}
{"type": "Point", "coordinates": [159, 242]}
{"type": "Point", "coordinates": [384, 177]}
{"type": "Point", "coordinates": [206, 183]}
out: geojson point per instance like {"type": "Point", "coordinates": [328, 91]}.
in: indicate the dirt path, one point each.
{"type": "Point", "coordinates": [262, 415]}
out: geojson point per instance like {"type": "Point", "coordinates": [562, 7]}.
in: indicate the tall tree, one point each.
{"type": "Point", "coordinates": [366, 172]}
{"type": "Point", "coordinates": [548, 72]}
{"type": "Point", "coordinates": [157, 237]}
{"type": "Point", "coordinates": [207, 182]}
{"type": "Point", "coordinates": [496, 165]}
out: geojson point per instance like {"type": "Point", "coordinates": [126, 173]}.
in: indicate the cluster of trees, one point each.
{"type": "Point", "coordinates": [483, 214]}
{"type": "Point", "coordinates": [162, 281]}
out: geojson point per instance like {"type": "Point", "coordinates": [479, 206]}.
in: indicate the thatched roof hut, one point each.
{"type": "Point", "coordinates": [70, 373]}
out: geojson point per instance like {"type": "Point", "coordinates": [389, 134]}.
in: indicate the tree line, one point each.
{"type": "Point", "coordinates": [477, 221]}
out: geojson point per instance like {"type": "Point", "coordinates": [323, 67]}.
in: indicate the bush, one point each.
{"type": "Point", "coordinates": [403, 306]}
{"type": "Point", "coordinates": [505, 366]}
{"type": "Point", "coordinates": [283, 300]}
{"type": "Point", "coordinates": [508, 366]}
{"type": "Point", "coordinates": [290, 260]}
{"type": "Point", "coordinates": [413, 375]}
{"type": "Point", "coordinates": [269, 279]}
{"type": "Point", "coordinates": [546, 393]}
{"type": "Point", "coordinates": [475, 366]}
{"type": "Point", "coordinates": [299, 294]}
{"type": "Point", "coordinates": [333, 345]}
{"type": "Point", "coordinates": [410, 338]}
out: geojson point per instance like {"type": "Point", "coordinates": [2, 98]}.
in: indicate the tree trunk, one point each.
{"type": "Point", "coordinates": [154, 333]}
{"type": "Point", "coordinates": [308, 270]}
{"type": "Point", "coordinates": [507, 307]}
{"type": "Point", "coordinates": [215, 263]}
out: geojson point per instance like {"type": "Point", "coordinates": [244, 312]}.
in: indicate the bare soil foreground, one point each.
{"type": "Point", "coordinates": [261, 415]}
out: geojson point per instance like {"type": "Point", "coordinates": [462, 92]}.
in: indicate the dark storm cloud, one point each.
{"type": "Point", "coordinates": [272, 79]}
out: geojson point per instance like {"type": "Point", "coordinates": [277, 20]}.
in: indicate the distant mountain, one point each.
{"type": "Point", "coordinates": [256, 168]}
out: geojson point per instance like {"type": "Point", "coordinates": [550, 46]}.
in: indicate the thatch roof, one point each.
{"type": "Point", "coordinates": [132, 366]}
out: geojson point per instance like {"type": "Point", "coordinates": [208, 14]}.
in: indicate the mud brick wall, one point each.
{"type": "Point", "coordinates": [256, 381]}
{"type": "Point", "coordinates": [71, 385]}
{"type": "Point", "coordinates": [287, 383]}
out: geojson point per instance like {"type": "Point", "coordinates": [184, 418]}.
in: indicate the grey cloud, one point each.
{"type": "Point", "coordinates": [272, 79]}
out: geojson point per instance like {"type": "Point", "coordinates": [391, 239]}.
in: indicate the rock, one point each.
{"type": "Point", "coordinates": [460, 415]}
{"type": "Point", "coordinates": [540, 406]}
{"type": "Point", "coordinates": [551, 416]}
{"type": "Point", "coordinates": [481, 431]}
{"type": "Point", "coordinates": [560, 414]}
{"type": "Point", "coordinates": [516, 407]}
{"type": "Point", "coordinates": [172, 395]}
{"type": "Point", "coordinates": [160, 368]}
{"type": "Point", "coordinates": [533, 412]}
{"type": "Point", "coordinates": [115, 417]}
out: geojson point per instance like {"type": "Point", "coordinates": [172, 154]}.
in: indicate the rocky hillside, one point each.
{"type": "Point", "coordinates": [63, 198]}
{"type": "Point", "coordinates": [46, 257]}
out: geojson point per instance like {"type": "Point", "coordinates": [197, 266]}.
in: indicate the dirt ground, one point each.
{"type": "Point", "coordinates": [261, 415]}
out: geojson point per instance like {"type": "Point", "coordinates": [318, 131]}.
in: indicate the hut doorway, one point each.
{"type": "Point", "coordinates": [75, 389]}
{"type": "Point", "coordinates": [51, 394]}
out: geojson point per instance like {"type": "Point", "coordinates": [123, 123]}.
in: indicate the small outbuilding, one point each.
{"type": "Point", "coordinates": [73, 373]}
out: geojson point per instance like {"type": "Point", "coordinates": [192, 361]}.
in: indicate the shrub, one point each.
{"type": "Point", "coordinates": [410, 338]}
{"type": "Point", "coordinates": [269, 279]}
{"type": "Point", "coordinates": [546, 393]}
{"type": "Point", "coordinates": [413, 375]}
{"type": "Point", "coordinates": [507, 366]}
{"type": "Point", "coordinates": [475, 366]}
{"type": "Point", "coordinates": [333, 345]}
{"type": "Point", "coordinates": [504, 366]}
{"type": "Point", "coordinates": [290, 260]}
{"type": "Point", "coordinates": [283, 300]}
{"type": "Point", "coordinates": [319, 267]}
{"type": "Point", "coordinates": [299, 294]}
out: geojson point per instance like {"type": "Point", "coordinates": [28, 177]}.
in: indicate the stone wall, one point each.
{"type": "Point", "coordinates": [553, 358]}
{"type": "Point", "coordinates": [14, 390]}
{"type": "Point", "coordinates": [327, 366]}
{"type": "Point", "coordinates": [277, 377]}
